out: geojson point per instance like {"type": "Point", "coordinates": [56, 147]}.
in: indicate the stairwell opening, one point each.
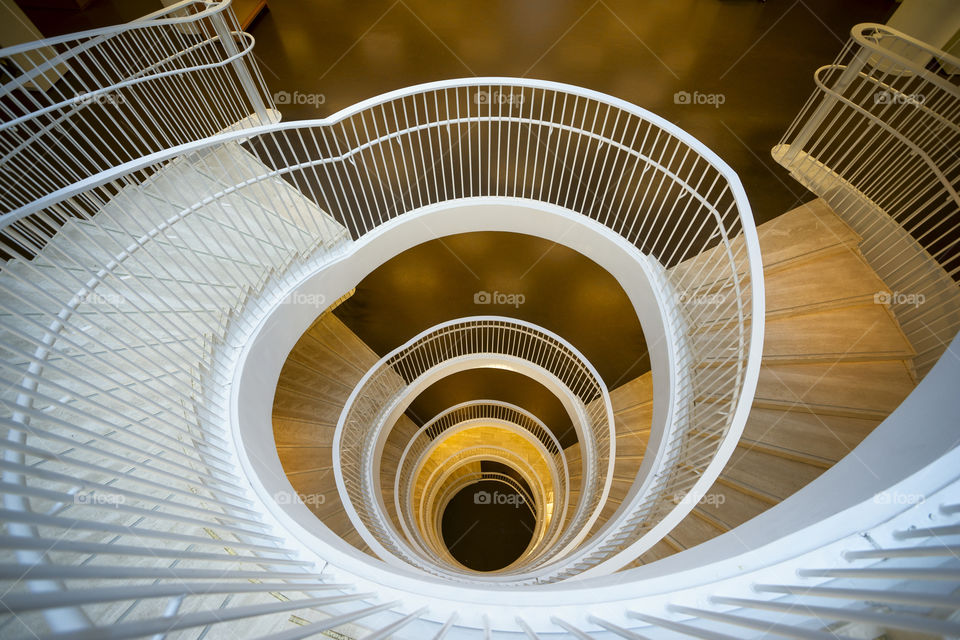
{"type": "Point", "coordinates": [486, 526]}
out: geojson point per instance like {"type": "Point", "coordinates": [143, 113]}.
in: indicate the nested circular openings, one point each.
{"type": "Point", "coordinates": [476, 342]}
{"type": "Point", "coordinates": [487, 525]}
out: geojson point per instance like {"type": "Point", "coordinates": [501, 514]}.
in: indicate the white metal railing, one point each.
{"type": "Point", "coordinates": [529, 502]}
{"type": "Point", "coordinates": [79, 104]}
{"type": "Point", "coordinates": [475, 412]}
{"type": "Point", "coordinates": [532, 463]}
{"type": "Point", "coordinates": [527, 499]}
{"type": "Point", "coordinates": [878, 141]}
{"type": "Point", "coordinates": [637, 175]}
{"type": "Point", "coordinates": [120, 285]}
{"type": "Point", "coordinates": [375, 401]}
{"type": "Point", "coordinates": [121, 494]}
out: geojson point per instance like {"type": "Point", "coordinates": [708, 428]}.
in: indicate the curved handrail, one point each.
{"type": "Point", "coordinates": [913, 146]}
{"type": "Point", "coordinates": [303, 152]}
{"type": "Point", "coordinates": [205, 8]}
{"type": "Point", "coordinates": [374, 401]}
{"type": "Point", "coordinates": [551, 486]}
{"type": "Point", "coordinates": [491, 476]}
{"type": "Point", "coordinates": [97, 112]}
{"type": "Point", "coordinates": [876, 140]}
{"type": "Point", "coordinates": [494, 476]}
{"type": "Point", "coordinates": [428, 509]}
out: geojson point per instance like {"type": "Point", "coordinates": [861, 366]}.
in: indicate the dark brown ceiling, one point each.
{"type": "Point", "coordinates": [563, 291]}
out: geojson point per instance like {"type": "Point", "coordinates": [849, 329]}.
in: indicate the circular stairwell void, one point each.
{"type": "Point", "coordinates": [807, 536]}
{"type": "Point", "coordinates": [286, 321]}
{"type": "Point", "coordinates": [486, 526]}
{"type": "Point", "coordinates": [280, 276]}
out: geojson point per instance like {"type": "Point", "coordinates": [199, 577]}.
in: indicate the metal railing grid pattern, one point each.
{"type": "Point", "coordinates": [878, 141]}
{"type": "Point", "coordinates": [80, 104]}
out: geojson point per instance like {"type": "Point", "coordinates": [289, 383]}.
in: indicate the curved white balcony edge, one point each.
{"type": "Point", "coordinates": [808, 529]}
{"type": "Point", "coordinates": [277, 334]}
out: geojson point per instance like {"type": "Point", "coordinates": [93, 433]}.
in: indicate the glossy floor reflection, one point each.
{"type": "Point", "coordinates": [757, 58]}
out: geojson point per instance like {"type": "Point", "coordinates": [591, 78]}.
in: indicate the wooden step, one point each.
{"type": "Point", "coordinates": [840, 277]}
{"type": "Point", "coordinates": [852, 334]}
{"type": "Point", "coordinates": [809, 230]}
{"type": "Point", "coordinates": [291, 405]}
{"type": "Point", "coordinates": [693, 530]}
{"type": "Point", "coordinates": [314, 355]}
{"type": "Point", "coordinates": [320, 373]}
{"type": "Point", "coordinates": [312, 379]}
{"type": "Point", "coordinates": [838, 388]}
{"type": "Point", "coordinates": [836, 278]}
{"type": "Point", "coordinates": [806, 232]}
{"type": "Point", "coordinates": [732, 506]}
{"type": "Point", "coordinates": [770, 474]}
{"type": "Point", "coordinates": [303, 458]}
{"type": "Point", "coordinates": [657, 552]}
{"type": "Point", "coordinates": [635, 392]}
{"type": "Point", "coordinates": [807, 436]}
{"type": "Point", "coordinates": [296, 433]}
{"type": "Point", "coordinates": [333, 334]}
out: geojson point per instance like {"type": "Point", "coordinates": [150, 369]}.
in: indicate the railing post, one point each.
{"type": "Point", "coordinates": [827, 103]}
{"type": "Point", "coordinates": [240, 67]}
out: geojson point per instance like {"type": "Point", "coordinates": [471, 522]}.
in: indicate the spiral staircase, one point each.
{"type": "Point", "coordinates": [198, 446]}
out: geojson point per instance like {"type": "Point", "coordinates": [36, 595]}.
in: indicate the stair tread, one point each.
{"type": "Point", "coordinates": [797, 234]}
{"type": "Point", "coordinates": [838, 385]}
{"type": "Point", "coordinates": [866, 332]}
{"type": "Point", "coordinates": [775, 475]}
